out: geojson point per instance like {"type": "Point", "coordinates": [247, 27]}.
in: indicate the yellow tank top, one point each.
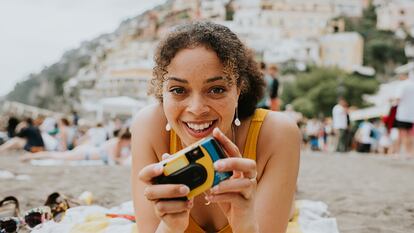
{"type": "Point", "coordinates": [249, 152]}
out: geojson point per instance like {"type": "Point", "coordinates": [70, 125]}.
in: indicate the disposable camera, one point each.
{"type": "Point", "coordinates": [193, 167]}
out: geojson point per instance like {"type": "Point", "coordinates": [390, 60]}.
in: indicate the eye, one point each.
{"type": "Point", "coordinates": [217, 90]}
{"type": "Point", "coordinates": [177, 90]}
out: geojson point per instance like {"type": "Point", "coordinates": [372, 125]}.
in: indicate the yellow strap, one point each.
{"type": "Point", "coordinates": [253, 134]}
{"type": "Point", "coordinates": [175, 142]}
{"type": "Point", "coordinates": [251, 141]}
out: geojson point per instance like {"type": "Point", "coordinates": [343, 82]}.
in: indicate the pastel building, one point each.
{"type": "Point", "coordinates": [396, 14]}
{"type": "Point", "coordinates": [299, 50]}
{"type": "Point", "coordinates": [213, 9]}
{"type": "Point", "coordinates": [342, 50]}
{"type": "Point", "coordinates": [350, 8]}
{"type": "Point", "coordinates": [127, 82]}
{"type": "Point", "coordinates": [298, 19]}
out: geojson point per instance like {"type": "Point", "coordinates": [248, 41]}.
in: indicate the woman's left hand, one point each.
{"type": "Point", "coordinates": [236, 196]}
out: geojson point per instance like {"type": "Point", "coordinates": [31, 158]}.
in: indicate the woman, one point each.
{"type": "Point", "coordinates": [115, 150]}
{"type": "Point", "coordinates": [28, 138]}
{"type": "Point", "coordinates": [66, 135]}
{"type": "Point", "coordinates": [208, 84]}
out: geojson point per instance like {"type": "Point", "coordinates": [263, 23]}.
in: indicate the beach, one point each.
{"type": "Point", "coordinates": [365, 193]}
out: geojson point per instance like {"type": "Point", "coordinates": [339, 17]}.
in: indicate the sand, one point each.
{"type": "Point", "coordinates": [365, 193]}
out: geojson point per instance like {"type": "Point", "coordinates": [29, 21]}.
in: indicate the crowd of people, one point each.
{"type": "Point", "coordinates": [389, 135]}
{"type": "Point", "coordinates": [64, 139]}
{"type": "Point", "coordinates": [392, 134]}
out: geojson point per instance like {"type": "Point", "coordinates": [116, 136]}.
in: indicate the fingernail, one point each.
{"type": "Point", "coordinates": [158, 168]}
{"type": "Point", "coordinates": [190, 203]}
{"type": "Point", "coordinates": [218, 165]}
{"type": "Point", "coordinates": [184, 189]}
{"type": "Point", "coordinates": [217, 131]}
{"type": "Point", "coordinates": [214, 190]}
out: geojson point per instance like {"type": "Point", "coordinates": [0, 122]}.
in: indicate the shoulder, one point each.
{"type": "Point", "coordinates": [278, 145]}
{"type": "Point", "coordinates": [148, 118]}
{"type": "Point", "coordinates": [148, 126]}
{"type": "Point", "coordinates": [278, 126]}
{"type": "Point", "coordinates": [279, 135]}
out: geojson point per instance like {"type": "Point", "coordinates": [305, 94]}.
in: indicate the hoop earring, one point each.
{"type": "Point", "coordinates": [168, 127]}
{"type": "Point", "coordinates": [236, 120]}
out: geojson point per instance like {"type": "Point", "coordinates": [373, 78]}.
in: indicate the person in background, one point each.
{"type": "Point", "coordinates": [114, 151]}
{"type": "Point", "coordinates": [364, 136]}
{"type": "Point", "coordinates": [327, 134]}
{"type": "Point", "coordinates": [385, 142]}
{"type": "Point", "coordinates": [28, 137]}
{"type": "Point", "coordinates": [340, 123]}
{"type": "Point", "coordinates": [404, 118]}
{"type": "Point", "coordinates": [11, 126]}
{"type": "Point", "coordinates": [75, 118]}
{"type": "Point", "coordinates": [274, 88]}
{"type": "Point", "coordinates": [265, 101]}
{"type": "Point", "coordinates": [312, 131]}
{"type": "Point", "coordinates": [66, 135]}
{"type": "Point", "coordinates": [94, 136]}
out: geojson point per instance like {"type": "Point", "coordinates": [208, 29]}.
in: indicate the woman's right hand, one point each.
{"type": "Point", "coordinates": [174, 214]}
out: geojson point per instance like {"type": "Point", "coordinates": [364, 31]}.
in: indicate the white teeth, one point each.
{"type": "Point", "coordinates": [199, 126]}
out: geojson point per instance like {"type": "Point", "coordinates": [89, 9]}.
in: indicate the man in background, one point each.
{"type": "Point", "coordinates": [274, 88]}
{"type": "Point", "coordinates": [404, 118]}
{"type": "Point", "coordinates": [340, 124]}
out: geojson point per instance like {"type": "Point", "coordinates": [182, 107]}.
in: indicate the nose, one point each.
{"type": "Point", "coordinates": [197, 105]}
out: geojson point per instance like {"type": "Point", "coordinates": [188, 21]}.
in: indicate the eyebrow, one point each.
{"type": "Point", "coordinates": [176, 79]}
{"type": "Point", "coordinates": [210, 80]}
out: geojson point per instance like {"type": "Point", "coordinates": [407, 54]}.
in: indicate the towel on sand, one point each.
{"type": "Point", "coordinates": [310, 217]}
{"type": "Point", "coordinates": [56, 162]}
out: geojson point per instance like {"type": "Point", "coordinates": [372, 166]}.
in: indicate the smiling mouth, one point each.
{"type": "Point", "coordinates": [200, 127]}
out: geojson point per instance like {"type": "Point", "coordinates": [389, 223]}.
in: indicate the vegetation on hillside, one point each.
{"type": "Point", "coordinates": [45, 89]}
{"type": "Point", "coordinates": [382, 49]}
{"type": "Point", "coordinates": [315, 92]}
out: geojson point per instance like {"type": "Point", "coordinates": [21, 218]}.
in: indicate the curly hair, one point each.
{"type": "Point", "coordinates": [237, 60]}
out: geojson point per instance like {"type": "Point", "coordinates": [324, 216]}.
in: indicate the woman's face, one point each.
{"type": "Point", "coordinates": [197, 95]}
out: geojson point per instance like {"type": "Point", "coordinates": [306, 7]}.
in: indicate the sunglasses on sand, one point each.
{"type": "Point", "coordinates": [31, 219]}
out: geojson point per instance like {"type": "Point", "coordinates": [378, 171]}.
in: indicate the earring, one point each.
{"type": "Point", "coordinates": [168, 127]}
{"type": "Point", "coordinates": [236, 120]}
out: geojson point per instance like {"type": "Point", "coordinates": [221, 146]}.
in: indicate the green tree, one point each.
{"type": "Point", "coordinates": [315, 93]}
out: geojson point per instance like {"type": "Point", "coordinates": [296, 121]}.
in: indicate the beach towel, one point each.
{"type": "Point", "coordinates": [56, 162]}
{"type": "Point", "coordinates": [310, 217]}
{"type": "Point", "coordinates": [76, 163]}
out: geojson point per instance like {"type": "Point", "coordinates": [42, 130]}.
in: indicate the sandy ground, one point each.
{"type": "Point", "coordinates": [365, 193]}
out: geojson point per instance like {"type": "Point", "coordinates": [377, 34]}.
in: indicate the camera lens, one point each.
{"type": "Point", "coordinates": [196, 175]}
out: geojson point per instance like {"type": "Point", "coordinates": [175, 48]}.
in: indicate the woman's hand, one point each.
{"type": "Point", "coordinates": [236, 196]}
{"type": "Point", "coordinates": [174, 214]}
